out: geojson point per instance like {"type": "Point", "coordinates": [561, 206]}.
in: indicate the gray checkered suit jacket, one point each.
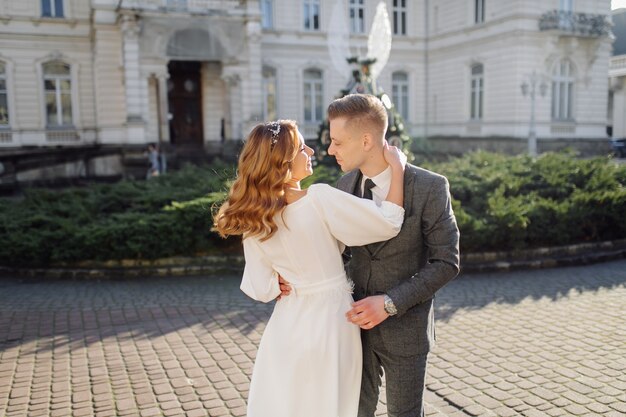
{"type": "Point", "coordinates": [412, 266]}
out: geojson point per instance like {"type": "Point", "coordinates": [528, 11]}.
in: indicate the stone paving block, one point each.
{"type": "Point", "coordinates": [151, 412]}
{"type": "Point", "coordinates": [534, 413]}
{"type": "Point", "coordinates": [576, 410]}
{"type": "Point", "coordinates": [556, 412]}
{"type": "Point", "coordinates": [559, 356]}
{"type": "Point", "coordinates": [475, 410]}
{"type": "Point", "coordinates": [544, 393]}
{"type": "Point", "coordinates": [61, 412]}
{"type": "Point", "coordinates": [576, 397]}
{"type": "Point", "coordinates": [459, 400]}
{"type": "Point", "coordinates": [83, 412]}
{"type": "Point", "coordinates": [620, 406]}
{"type": "Point", "coordinates": [174, 413]}
{"type": "Point", "coordinates": [213, 412]}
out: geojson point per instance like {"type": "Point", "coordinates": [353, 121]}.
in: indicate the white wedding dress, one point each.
{"type": "Point", "coordinates": [309, 359]}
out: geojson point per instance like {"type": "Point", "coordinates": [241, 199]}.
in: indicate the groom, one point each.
{"type": "Point", "coordinates": [395, 281]}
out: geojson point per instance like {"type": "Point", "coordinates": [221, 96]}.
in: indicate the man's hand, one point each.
{"type": "Point", "coordinates": [285, 287]}
{"type": "Point", "coordinates": [368, 312]}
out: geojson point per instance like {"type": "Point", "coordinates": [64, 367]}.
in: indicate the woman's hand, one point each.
{"type": "Point", "coordinates": [397, 161]}
{"type": "Point", "coordinates": [394, 156]}
{"type": "Point", "coordinates": [285, 287]}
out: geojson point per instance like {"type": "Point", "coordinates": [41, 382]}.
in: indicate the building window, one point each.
{"type": "Point", "coordinates": [313, 87]}
{"type": "Point", "coordinates": [267, 14]}
{"type": "Point", "coordinates": [399, 17]}
{"type": "Point", "coordinates": [177, 4]}
{"type": "Point", "coordinates": [58, 92]}
{"type": "Point", "coordinates": [400, 93]}
{"type": "Point", "coordinates": [269, 94]}
{"type": "Point", "coordinates": [566, 5]}
{"type": "Point", "coordinates": [4, 97]}
{"type": "Point", "coordinates": [312, 14]}
{"type": "Point", "coordinates": [566, 8]}
{"type": "Point", "coordinates": [479, 11]}
{"type": "Point", "coordinates": [52, 8]}
{"type": "Point", "coordinates": [562, 90]}
{"type": "Point", "coordinates": [476, 96]}
{"type": "Point", "coordinates": [357, 16]}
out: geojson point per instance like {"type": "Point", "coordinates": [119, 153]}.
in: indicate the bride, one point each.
{"type": "Point", "coordinates": [309, 359]}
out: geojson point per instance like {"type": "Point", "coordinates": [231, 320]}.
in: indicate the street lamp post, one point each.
{"type": "Point", "coordinates": [529, 88]}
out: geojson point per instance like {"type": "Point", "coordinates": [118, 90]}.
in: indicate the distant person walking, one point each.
{"type": "Point", "coordinates": [154, 158]}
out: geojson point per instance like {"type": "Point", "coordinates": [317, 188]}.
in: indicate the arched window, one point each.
{"type": "Point", "coordinates": [269, 94]}
{"type": "Point", "coordinates": [4, 97]}
{"type": "Point", "coordinates": [313, 95]}
{"type": "Point", "coordinates": [400, 93]}
{"type": "Point", "coordinates": [57, 83]}
{"type": "Point", "coordinates": [562, 90]}
{"type": "Point", "coordinates": [476, 93]}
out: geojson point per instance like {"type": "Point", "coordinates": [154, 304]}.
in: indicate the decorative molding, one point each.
{"type": "Point", "coordinates": [231, 78]}
{"type": "Point", "coordinates": [130, 26]}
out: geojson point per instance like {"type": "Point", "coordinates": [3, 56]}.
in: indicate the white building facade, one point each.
{"type": "Point", "coordinates": [617, 77]}
{"type": "Point", "coordinates": [197, 74]}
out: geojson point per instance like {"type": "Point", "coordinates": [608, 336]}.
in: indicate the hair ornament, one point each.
{"type": "Point", "coordinates": [274, 128]}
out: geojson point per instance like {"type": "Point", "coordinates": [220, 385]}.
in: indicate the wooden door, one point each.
{"type": "Point", "coordinates": [185, 104]}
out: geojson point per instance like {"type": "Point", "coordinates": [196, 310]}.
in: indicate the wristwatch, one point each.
{"type": "Point", "coordinates": [390, 307]}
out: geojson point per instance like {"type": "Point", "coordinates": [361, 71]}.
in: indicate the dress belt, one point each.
{"type": "Point", "coordinates": [339, 282]}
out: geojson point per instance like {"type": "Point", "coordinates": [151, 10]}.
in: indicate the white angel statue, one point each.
{"type": "Point", "coordinates": [363, 70]}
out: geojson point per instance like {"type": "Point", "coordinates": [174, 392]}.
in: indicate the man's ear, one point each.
{"type": "Point", "coordinates": [368, 141]}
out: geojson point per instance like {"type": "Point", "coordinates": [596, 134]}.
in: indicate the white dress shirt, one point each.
{"type": "Point", "coordinates": [383, 183]}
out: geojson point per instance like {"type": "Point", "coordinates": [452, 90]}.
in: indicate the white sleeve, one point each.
{"type": "Point", "coordinates": [356, 221]}
{"type": "Point", "coordinates": [260, 281]}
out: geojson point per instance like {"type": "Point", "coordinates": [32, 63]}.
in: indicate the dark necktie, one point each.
{"type": "Point", "coordinates": [367, 188]}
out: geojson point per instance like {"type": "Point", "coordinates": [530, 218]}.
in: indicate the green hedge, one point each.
{"type": "Point", "coordinates": [501, 203]}
{"type": "Point", "coordinates": [166, 216]}
{"type": "Point", "coordinates": [504, 202]}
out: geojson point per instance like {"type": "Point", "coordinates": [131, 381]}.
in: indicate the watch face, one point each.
{"type": "Point", "coordinates": [390, 308]}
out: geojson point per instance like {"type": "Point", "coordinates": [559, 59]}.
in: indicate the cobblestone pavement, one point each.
{"type": "Point", "coordinates": [532, 343]}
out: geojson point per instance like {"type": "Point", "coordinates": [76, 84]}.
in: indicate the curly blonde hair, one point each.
{"type": "Point", "coordinates": [258, 193]}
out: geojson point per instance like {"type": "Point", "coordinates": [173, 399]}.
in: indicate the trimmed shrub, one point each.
{"type": "Point", "coordinates": [168, 215]}
{"type": "Point", "coordinates": [500, 202]}
{"type": "Point", "coordinates": [503, 202]}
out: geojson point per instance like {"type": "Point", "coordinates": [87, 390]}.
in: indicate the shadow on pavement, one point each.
{"type": "Point", "coordinates": [70, 314]}
{"type": "Point", "coordinates": [475, 291]}
{"type": "Point", "coordinates": [62, 314]}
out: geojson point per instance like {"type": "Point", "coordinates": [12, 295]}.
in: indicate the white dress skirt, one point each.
{"type": "Point", "coordinates": [309, 359]}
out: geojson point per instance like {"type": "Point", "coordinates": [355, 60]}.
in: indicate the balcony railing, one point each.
{"type": "Point", "coordinates": [579, 24]}
{"type": "Point", "coordinates": [618, 63]}
{"type": "Point", "coordinates": [190, 6]}
{"type": "Point", "coordinates": [617, 66]}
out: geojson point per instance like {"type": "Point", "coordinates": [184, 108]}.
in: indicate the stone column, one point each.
{"type": "Point", "coordinates": [132, 77]}
{"type": "Point", "coordinates": [619, 106]}
{"type": "Point", "coordinates": [233, 81]}
{"type": "Point", "coordinates": [135, 86]}
{"type": "Point", "coordinates": [164, 119]}
{"type": "Point", "coordinates": [234, 118]}
{"type": "Point", "coordinates": [253, 104]}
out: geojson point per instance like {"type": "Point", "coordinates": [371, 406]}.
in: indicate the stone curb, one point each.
{"type": "Point", "coordinates": [548, 257]}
